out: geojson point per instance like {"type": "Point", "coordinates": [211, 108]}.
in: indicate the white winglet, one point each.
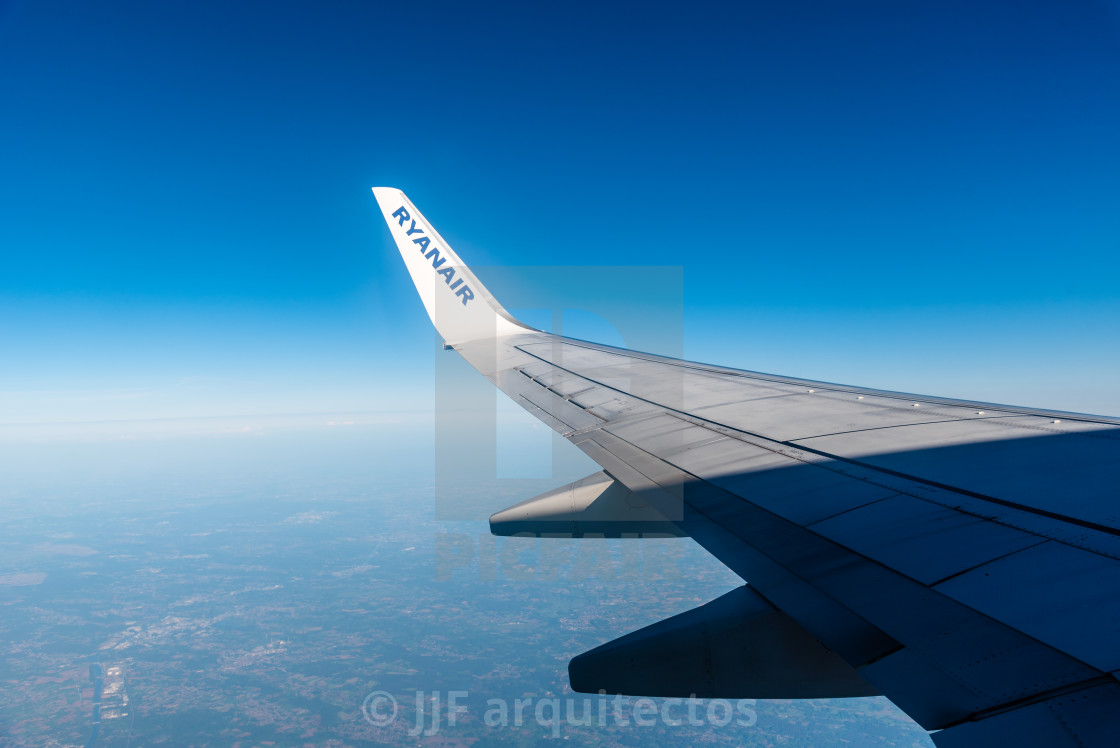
{"type": "Point", "coordinates": [460, 307]}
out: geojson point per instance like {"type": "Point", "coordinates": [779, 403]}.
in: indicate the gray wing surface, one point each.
{"type": "Point", "coordinates": [960, 558]}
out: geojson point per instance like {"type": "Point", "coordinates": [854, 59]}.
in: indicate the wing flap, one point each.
{"type": "Point", "coordinates": [912, 536]}
{"type": "Point", "coordinates": [1073, 604]}
{"type": "Point", "coordinates": [1083, 717]}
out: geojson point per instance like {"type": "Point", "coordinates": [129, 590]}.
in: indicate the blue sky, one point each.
{"type": "Point", "coordinates": [921, 196]}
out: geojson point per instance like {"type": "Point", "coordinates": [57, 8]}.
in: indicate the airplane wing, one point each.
{"type": "Point", "coordinates": [960, 558]}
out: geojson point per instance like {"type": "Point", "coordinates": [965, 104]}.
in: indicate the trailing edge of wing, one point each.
{"type": "Point", "coordinates": [459, 305]}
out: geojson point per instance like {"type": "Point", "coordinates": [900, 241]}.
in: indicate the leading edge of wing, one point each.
{"type": "Point", "coordinates": [463, 310]}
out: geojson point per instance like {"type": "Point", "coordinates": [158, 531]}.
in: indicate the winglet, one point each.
{"type": "Point", "coordinates": [458, 304]}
